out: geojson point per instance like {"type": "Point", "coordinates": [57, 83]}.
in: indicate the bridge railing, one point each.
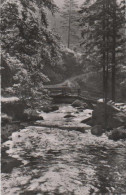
{"type": "Point", "coordinates": [67, 91]}
{"type": "Point", "coordinates": [64, 91]}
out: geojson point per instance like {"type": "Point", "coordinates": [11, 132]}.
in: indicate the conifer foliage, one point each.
{"type": "Point", "coordinates": [70, 20]}
{"type": "Point", "coordinates": [27, 44]}
{"type": "Point", "coordinates": [102, 23]}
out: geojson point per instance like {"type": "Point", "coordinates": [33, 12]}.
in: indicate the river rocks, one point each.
{"type": "Point", "coordinates": [13, 107]}
{"type": "Point", "coordinates": [50, 108]}
{"type": "Point", "coordinates": [86, 120]}
{"type": "Point", "coordinates": [8, 163]}
{"type": "Point", "coordinates": [12, 114]}
{"type": "Point", "coordinates": [79, 104]}
{"type": "Point", "coordinates": [69, 116]}
{"type": "Point", "coordinates": [97, 130]}
{"type": "Point", "coordinates": [34, 118]}
{"type": "Point", "coordinates": [8, 129]}
{"type": "Point", "coordinates": [119, 133]}
{"type": "Point", "coordinates": [85, 105]}
{"type": "Point", "coordinates": [31, 115]}
{"type": "Point", "coordinates": [115, 116]}
{"type": "Point", "coordinates": [119, 119]}
{"type": "Point", "coordinates": [5, 119]}
{"type": "Point", "coordinates": [70, 126]}
{"type": "Point", "coordinates": [81, 129]}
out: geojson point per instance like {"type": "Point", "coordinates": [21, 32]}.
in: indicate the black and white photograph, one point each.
{"type": "Point", "coordinates": [63, 97]}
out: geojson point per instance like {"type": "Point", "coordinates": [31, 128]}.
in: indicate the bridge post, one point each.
{"type": "Point", "coordinates": [63, 91]}
{"type": "Point", "coordinates": [79, 92]}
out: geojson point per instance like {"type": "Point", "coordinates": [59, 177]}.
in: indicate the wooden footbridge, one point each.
{"type": "Point", "coordinates": [65, 94]}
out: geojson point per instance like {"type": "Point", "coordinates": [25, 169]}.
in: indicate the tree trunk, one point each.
{"type": "Point", "coordinates": [113, 51]}
{"type": "Point", "coordinates": [69, 28]}
{"type": "Point", "coordinates": [105, 65]}
{"type": "Point", "coordinates": [103, 55]}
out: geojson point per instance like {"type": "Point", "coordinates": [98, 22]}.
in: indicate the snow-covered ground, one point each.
{"type": "Point", "coordinates": [9, 99]}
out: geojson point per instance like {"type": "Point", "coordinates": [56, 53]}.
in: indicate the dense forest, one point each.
{"type": "Point", "coordinates": [32, 53]}
{"type": "Point", "coordinates": [27, 46]}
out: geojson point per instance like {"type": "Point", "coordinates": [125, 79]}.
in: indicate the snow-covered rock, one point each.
{"type": "Point", "coordinates": [116, 117]}
{"type": "Point", "coordinates": [119, 133]}
{"type": "Point", "coordinates": [97, 130]}
{"type": "Point", "coordinates": [13, 107]}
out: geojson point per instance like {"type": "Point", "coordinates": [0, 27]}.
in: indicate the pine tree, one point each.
{"type": "Point", "coordinates": [27, 44]}
{"type": "Point", "coordinates": [102, 22]}
{"type": "Point", "coordinates": [70, 20]}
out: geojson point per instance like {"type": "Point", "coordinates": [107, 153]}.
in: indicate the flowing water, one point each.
{"type": "Point", "coordinates": [63, 162]}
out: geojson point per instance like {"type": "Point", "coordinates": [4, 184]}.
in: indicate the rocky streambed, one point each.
{"type": "Point", "coordinates": [59, 155]}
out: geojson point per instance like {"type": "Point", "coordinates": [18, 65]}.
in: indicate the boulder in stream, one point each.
{"type": "Point", "coordinates": [13, 107]}
{"type": "Point", "coordinates": [8, 163]}
{"type": "Point", "coordinates": [50, 108]}
{"type": "Point", "coordinates": [86, 120]}
{"type": "Point", "coordinates": [81, 129]}
{"type": "Point", "coordinates": [97, 130]}
{"type": "Point", "coordinates": [69, 116]}
{"type": "Point", "coordinates": [79, 104]}
{"type": "Point", "coordinates": [8, 129]}
{"type": "Point", "coordinates": [31, 115]}
{"type": "Point", "coordinates": [118, 133]}
{"type": "Point", "coordinates": [115, 116]}
{"type": "Point", "coordinates": [5, 119]}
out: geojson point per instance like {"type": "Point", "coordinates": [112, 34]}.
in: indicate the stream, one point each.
{"type": "Point", "coordinates": [55, 161]}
